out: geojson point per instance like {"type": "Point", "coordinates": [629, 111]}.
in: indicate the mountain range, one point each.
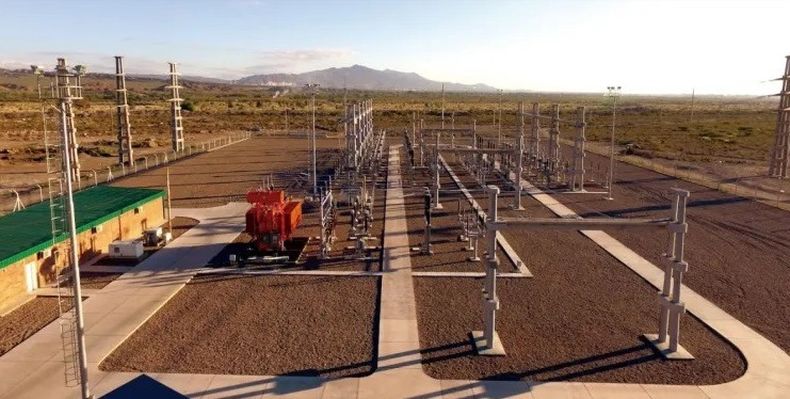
{"type": "Point", "coordinates": [356, 77]}
{"type": "Point", "coordinates": [361, 78]}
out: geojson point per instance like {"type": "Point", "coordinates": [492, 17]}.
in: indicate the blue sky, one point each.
{"type": "Point", "coordinates": [724, 47]}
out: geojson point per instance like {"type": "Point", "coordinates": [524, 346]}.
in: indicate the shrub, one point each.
{"type": "Point", "coordinates": [188, 106]}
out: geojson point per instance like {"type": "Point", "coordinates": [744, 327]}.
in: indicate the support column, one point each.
{"type": "Point", "coordinates": [125, 152]}
{"type": "Point", "coordinates": [553, 150]}
{"type": "Point", "coordinates": [534, 142]}
{"type": "Point", "coordinates": [667, 341]}
{"type": "Point", "coordinates": [437, 175]}
{"type": "Point", "coordinates": [176, 125]}
{"type": "Point", "coordinates": [519, 159]}
{"type": "Point", "coordinates": [487, 342]}
{"type": "Point", "coordinates": [780, 152]}
{"type": "Point", "coordinates": [474, 134]}
{"type": "Point", "coordinates": [577, 173]}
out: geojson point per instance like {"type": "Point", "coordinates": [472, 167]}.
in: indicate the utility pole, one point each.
{"type": "Point", "coordinates": [169, 204]}
{"type": "Point", "coordinates": [692, 106]}
{"type": "Point", "coordinates": [613, 93]}
{"type": "Point", "coordinates": [176, 123]}
{"type": "Point", "coordinates": [499, 120]}
{"type": "Point", "coordinates": [313, 87]}
{"type": "Point", "coordinates": [68, 91]}
{"type": "Point", "coordinates": [780, 151]}
{"type": "Point", "coordinates": [442, 105]}
{"type": "Point", "coordinates": [125, 152]}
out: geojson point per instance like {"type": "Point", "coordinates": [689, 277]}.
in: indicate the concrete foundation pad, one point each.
{"type": "Point", "coordinates": [663, 348]}
{"type": "Point", "coordinates": [480, 344]}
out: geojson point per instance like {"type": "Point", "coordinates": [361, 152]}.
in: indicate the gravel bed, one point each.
{"type": "Point", "coordinates": [259, 325]}
{"type": "Point", "coordinates": [26, 320]}
{"type": "Point", "coordinates": [448, 253]}
{"type": "Point", "coordinates": [559, 325]}
{"type": "Point", "coordinates": [554, 328]}
{"type": "Point", "coordinates": [737, 249]}
{"type": "Point", "coordinates": [225, 175]}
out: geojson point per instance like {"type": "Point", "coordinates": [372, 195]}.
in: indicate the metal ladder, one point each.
{"type": "Point", "coordinates": [66, 309]}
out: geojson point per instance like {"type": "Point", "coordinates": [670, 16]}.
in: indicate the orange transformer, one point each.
{"type": "Point", "coordinates": [272, 219]}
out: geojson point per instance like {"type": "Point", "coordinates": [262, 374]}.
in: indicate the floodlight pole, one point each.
{"type": "Point", "coordinates": [74, 256]}
{"type": "Point", "coordinates": [442, 105]}
{"type": "Point", "coordinates": [499, 120]}
{"type": "Point", "coordinates": [614, 93]}
{"type": "Point", "coordinates": [313, 87]}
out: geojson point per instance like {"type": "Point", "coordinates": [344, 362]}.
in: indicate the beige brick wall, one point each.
{"type": "Point", "coordinates": [129, 225]}
{"type": "Point", "coordinates": [12, 284]}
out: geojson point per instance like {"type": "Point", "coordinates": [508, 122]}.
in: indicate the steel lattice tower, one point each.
{"type": "Point", "coordinates": [125, 152]}
{"type": "Point", "coordinates": [177, 128]}
{"type": "Point", "coordinates": [68, 88]}
{"type": "Point", "coordinates": [780, 152]}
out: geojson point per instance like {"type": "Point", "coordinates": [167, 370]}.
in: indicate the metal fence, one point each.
{"type": "Point", "coordinates": [773, 192]}
{"type": "Point", "coordinates": [17, 198]}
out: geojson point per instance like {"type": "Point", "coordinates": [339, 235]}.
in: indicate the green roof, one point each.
{"type": "Point", "coordinates": [29, 230]}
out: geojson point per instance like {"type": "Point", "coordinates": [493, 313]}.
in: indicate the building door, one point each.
{"type": "Point", "coordinates": [31, 277]}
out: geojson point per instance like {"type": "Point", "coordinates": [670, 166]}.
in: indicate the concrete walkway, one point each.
{"type": "Point", "coordinates": [33, 369]}
{"type": "Point", "coordinates": [768, 366]}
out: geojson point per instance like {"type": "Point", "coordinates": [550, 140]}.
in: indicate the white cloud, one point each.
{"type": "Point", "coordinates": [267, 61]}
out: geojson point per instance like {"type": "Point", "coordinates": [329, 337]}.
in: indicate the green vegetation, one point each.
{"type": "Point", "coordinates": [729, 128]}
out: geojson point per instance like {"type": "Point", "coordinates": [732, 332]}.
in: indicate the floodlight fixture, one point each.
{"type": "Point", "coordinates": [80, 69]}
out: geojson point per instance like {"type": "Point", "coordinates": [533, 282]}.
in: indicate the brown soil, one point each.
{"type": "Point", "coordinates": [96, 280]}
{"type": "Point", "coordinates": [556, 327]}
{"type": "Point", "coordinates": [25, 321]}
{"type": "Point", "coordinates": [259, 325]}
{"type": "Point", "coordinates": [181, 225]}
{"type": "Point", "coordinates": [736, 248]}
{"type": "Point", "coordinates": [227, 174]}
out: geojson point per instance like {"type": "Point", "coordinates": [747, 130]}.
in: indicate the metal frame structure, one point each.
{"type": "Point", "coordinates": [779, 161]}
{"type": "Point", "coordinates": [125, 151]}
{"type": "Point", "coordinates": [614, 94]}
{"type": "Point", "coordinates": [62, 174]}
{"type": "Point", "coordinates": [176, 122]}
{"type": "Point", "coordinates": [671, 306]}
{"type": "Point", "coordinates": [68, 87]}
{"type": "Point", "coordinates": [362, 144]}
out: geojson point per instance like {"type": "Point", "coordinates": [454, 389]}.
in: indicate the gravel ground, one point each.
{"type": "Point", "coordinates": [557, 326]}
{"type": "Point", "coordinates": [226, 175]}
{"type": "Point", "coordinates": [26, 320]}
{"type": "Point", "coordinates": [259, 325]}
{"type": "Point", "coordinates": [448, 254]}
{"type": "Point", "coordinates": [96, 280]}
{"type": "Point", "coordinates": [737, 249]}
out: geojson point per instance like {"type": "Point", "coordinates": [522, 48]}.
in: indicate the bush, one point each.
{"type": "Point", "coordinates": [188, 106]}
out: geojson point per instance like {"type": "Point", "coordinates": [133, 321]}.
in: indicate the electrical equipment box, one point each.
{"type": "Point", "coordinates": [131, 249]}
{"type": "Point", "coordinates": [152, 236]}
{"type": "Point", "coordinates": [272, 219]}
